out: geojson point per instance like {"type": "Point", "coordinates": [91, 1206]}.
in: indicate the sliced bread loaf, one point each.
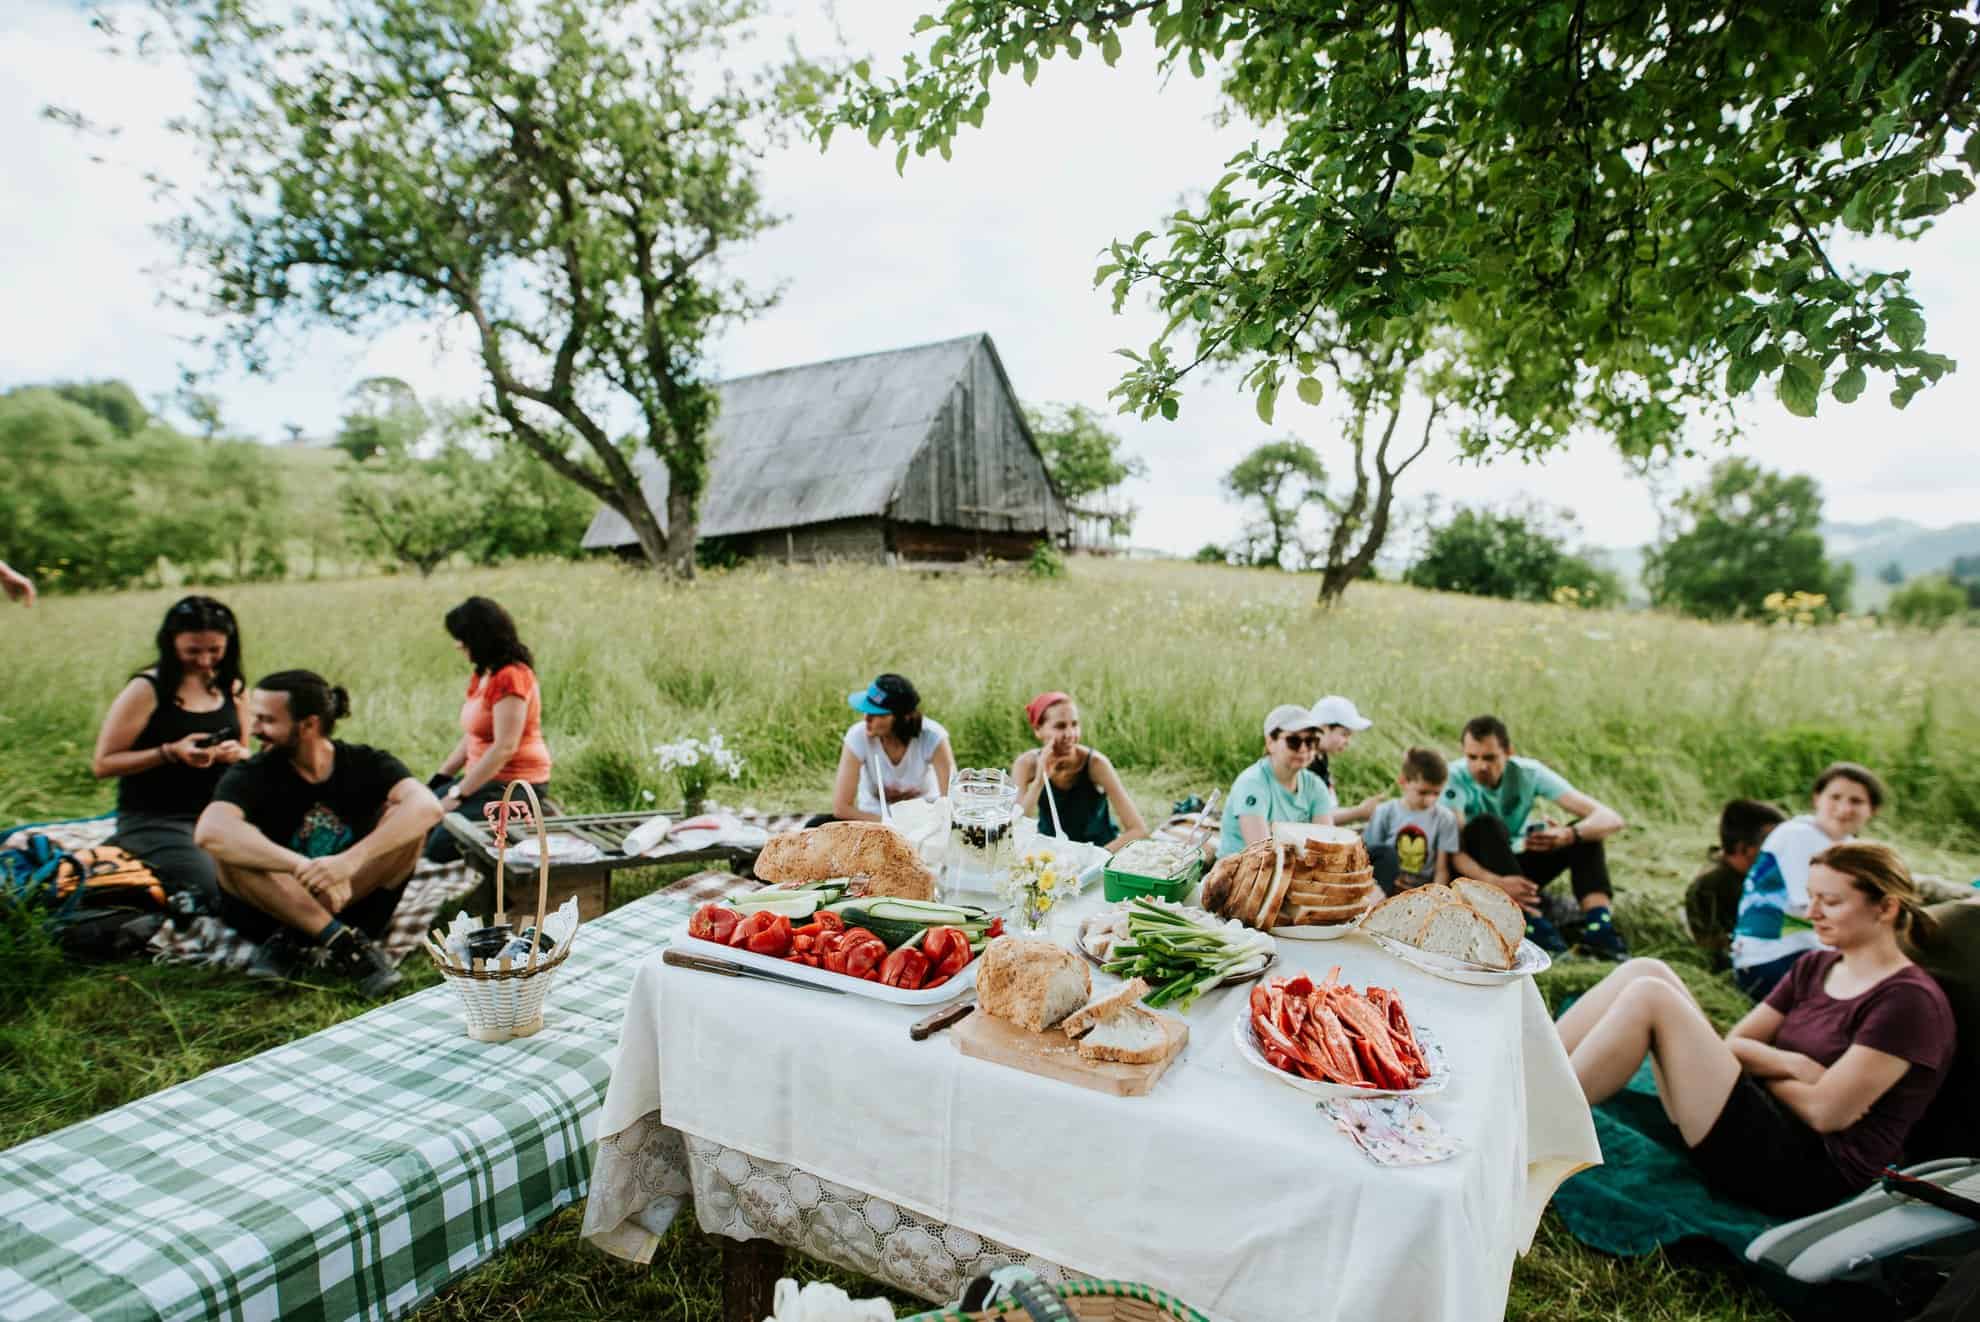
{"type": "Point", "coordinates": [1401, 916]}
{"type": "Point", "coordinates": [1506, 917]}
{"type": "Point", "coordinates": [1133, 1036]}
{"type": "Point", "coordinates": [1461, 932]}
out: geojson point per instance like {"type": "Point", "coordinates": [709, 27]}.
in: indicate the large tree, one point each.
{"type": "Point", "coordinates": [1281, 478]}
{"type": "Point", "coordinates": [1622, 210]}
{"type": "Point", "coordinates": [561, 175]}
{"type": "Point", "coordinates": [1743, 533]}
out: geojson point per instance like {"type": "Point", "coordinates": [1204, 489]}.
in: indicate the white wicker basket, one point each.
{"type": "Point", "coordinates": [504, 999]}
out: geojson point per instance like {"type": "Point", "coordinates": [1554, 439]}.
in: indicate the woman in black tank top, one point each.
{"type": "Point", "coordinates": [1085, 786]}
{"type": "Point", "coordinates": [167, 738]}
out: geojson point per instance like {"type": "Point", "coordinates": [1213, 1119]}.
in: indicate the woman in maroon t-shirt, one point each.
{"type": "Point", "coordinates": [1815, 1091]}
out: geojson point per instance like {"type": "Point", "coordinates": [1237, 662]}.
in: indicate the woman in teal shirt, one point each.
{"type": "Point", "coordinates": [1277, 787]}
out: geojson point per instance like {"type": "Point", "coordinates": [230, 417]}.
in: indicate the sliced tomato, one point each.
{"type": "Point", "coordinates": [906, 967]}
{"type": "Point", "coordinates": [863, 952]}
{"type": "Point", "coordinates": [767, 934]}
{"type": "Point", "coordinates": [714, 922]}
{"type": "Point", "coordinates": [826, 918]}
{"type": "Point", "coordinates": [947, 949]}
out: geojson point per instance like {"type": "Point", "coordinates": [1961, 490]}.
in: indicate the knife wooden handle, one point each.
{"type": "Point", "coordinates": [941, 1019]}
{"type": "Point", "coordinates": [683, 960]}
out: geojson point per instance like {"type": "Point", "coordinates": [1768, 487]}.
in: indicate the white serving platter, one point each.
{"type": "Point", "coordinates": [1433, 1056]}
{"type": "Point", "coordinates": [877, 991]}
{"type": "Point", "coordinates": [1529, 960]}
{"type": "Point", "coordinates": [1313, 931]}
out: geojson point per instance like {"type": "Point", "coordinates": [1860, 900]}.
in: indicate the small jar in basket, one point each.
{"type": "Point", "coordinates": [503, 993]}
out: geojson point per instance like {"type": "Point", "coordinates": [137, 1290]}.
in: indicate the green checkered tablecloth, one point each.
{"type": "Point", "coordinates": [346, 1175]}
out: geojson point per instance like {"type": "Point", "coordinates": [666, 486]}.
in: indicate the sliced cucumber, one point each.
{"type": "Point", "coordinates": [924, 911]}
{"type": "Point", "coordinates": [791, 904]}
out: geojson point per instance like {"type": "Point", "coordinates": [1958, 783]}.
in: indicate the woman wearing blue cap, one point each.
{"type": "Point", "coordinates": [894, 753]}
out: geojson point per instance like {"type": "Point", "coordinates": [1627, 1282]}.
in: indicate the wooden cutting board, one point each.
{"type": "Point", "coordinates": [1053, 1055]}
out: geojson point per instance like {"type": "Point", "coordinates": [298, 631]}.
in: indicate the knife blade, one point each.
{"type": "Point", "coordinates": [953, 1013]}
{"type": "Point", "coordinates": [681, 959]}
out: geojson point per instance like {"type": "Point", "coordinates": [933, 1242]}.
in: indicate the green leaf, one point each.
{"type": "Point", "coordinates": [900, 160]}
{"type": "Point", "coordinates": [1309, 389]}
{"type": "Point", "coordinates": [1400, 157]}
{"type": "Point", "coordinates": [1800, 386]}
{"type": "Point", "coordinates": [1170, 407]}
{"type": "Point", "coordinates": [1741, 375]}
{"type": "Point", "coordinates": [1110, 48]}
{"type": "Point", "coordinates": [1905, 325]}
{"type": "Point", "coordinates": [1849, 385]}
{"type": "Point", "coordinates": [1268, 395]}
{"type": "Point", "coordinates": [863, 70]}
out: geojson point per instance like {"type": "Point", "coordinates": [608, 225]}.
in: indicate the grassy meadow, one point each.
{"type": "Point", "coordinates": [1174, 665]}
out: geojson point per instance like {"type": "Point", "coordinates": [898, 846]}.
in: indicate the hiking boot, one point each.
{"type": "Point", "coordinates": [1545, 935]}
{"type": "Point", "coordinates": [278, 959]}
{"type": "Point", "coordinates": [350, 954]}
{"type": "Point", "coordinates": [1599, 937]}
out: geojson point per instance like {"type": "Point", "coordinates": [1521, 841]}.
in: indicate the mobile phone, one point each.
{"type": "Point", "coordinates": [207, 740]}
{"type": "Point", "coordinates": [1535, 828]}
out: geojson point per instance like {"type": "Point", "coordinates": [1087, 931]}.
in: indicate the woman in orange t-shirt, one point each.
{"type": "Point", "coordinates": [501, 720]}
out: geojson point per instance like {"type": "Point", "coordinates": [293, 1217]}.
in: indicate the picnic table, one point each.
{"type": "Point", "coordinates": [812, 1121]}
{"type": "Point", "coordinates": [589, 878]}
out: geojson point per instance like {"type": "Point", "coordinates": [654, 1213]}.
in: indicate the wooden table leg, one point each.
{"type": "Point", "coordinates": [750, 1268]}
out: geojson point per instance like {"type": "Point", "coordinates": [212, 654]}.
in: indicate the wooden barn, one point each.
{"type": "Point", "coordinates": [921, 454]}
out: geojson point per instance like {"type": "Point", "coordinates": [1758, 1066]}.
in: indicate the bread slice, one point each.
{"type": "Point", "coordinates": [1254, 878]}
{"type": "Point", "coordinates": [1329, 892]}
{"type": "Point", "coordinates": [1133, 1036]}
{"type": "Point", "coordinates": [1101, 1007]}
{"type": "Point", "coordinates": [1498, 907]}
{"type": "Point", "coordinates": [1401, 917]}
{"type": "Point", "coordinates": [1323, 848]}
{"type": "Point", "coordinates": [1217, 886]}
{"type": "Point", "coordinates": [872, 851]}
{"type": "Point", "coordinates": [1275, 895]}
{"type": "Point", "coordinates": [1461, 932]}
{"type": "Point", "coordinates": [1308, 915]}
{"type": "Point", "coordinates": [1031, 982]}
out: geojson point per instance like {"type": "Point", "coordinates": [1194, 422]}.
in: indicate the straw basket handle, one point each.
{"type": "Point", "coordinates": [500, 817]}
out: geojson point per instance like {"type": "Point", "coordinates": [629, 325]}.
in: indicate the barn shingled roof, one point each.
{"type": "Point", "coordinates": [807, 444]}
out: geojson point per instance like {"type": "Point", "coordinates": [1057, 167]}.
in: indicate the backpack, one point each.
{"type": "Point", "coordinates": [100, 903]}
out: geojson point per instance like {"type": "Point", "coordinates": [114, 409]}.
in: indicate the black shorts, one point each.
{"type": "Point", "coordinates": [1763, 1155]}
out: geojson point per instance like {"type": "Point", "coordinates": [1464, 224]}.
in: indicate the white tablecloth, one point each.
{"type": "Point", "coordinates": [1223, 1186]}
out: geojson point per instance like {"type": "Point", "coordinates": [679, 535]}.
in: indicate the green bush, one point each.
{"type": "Point", "coordinates": [1520, 555]}
{"type": "Point", "coordinates": [1927, 603]}
{"type": "Point", "coordinates": [1045, 561]}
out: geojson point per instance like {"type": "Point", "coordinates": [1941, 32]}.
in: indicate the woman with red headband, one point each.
{"type": "Point", "coordinates": [1084, 783]}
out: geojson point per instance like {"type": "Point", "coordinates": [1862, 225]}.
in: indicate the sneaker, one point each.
{"type": "Point", "coordinates": [1545, 935]}
{"type": "Point", "coordinates": [351, 955]}
{"type": "Point", "coordinates": [278, 959]}
{"type": "Point", "coordinates": [1600, 938]}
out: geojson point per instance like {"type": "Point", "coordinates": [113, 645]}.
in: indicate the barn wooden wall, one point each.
{"type": "Point", "coordinates": [978, 471]}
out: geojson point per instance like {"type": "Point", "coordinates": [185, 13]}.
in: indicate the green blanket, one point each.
{"type": "Point", "coordinates": [1646, 1193]}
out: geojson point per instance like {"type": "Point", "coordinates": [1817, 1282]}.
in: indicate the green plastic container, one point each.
{"type": "Point", "coordinates": [1127, 885]}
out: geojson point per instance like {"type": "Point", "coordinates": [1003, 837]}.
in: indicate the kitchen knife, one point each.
{"type": "Point", "coordinates": [953, 1013]}
{"type": "Point", "coordinates": [681, 959]}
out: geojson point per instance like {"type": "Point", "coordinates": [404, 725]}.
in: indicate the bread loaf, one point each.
{"type": "Point", "coordinates": [1505, 916]}
{"type": "Point", "coordinates": [1318, 915]}
{"type": "Point", "coordinates": [873, 852]}
{"type": "Point", "coordinates": [1031, 982]}
{"type": "Point", "coordinates": [1461, 932]}
{"type": "Point", "coordinates": [1322, 849]}
{"type": "Point", "coordinates": [1401, 917]}
{"type": "Point", "coordinates": [1104, 1006]}
{"type": "Point", "coordinates": [1275, 894]}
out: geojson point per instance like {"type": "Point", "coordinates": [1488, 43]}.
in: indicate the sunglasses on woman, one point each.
{"type": "Point", "coordinates": [1301, 742]}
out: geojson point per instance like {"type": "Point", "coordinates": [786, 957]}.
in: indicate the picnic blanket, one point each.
{"type": "Point", "coordinates": [346, 1175]}
{"type": "Point", "coordinates": [206, 940]}
{"type": "Point", "coordinates": [1646, 1193]}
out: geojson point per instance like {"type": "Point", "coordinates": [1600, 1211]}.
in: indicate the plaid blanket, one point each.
{"type": "Point", "coordinates": [345, 1175]}
{"type": "Point", "coordinates": [210, 941]}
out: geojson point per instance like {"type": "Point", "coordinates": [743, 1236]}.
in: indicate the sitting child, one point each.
{"type": "Point", "coordinates": [1410, 840]}
{"type": "Point", "coordinates": [1711, 902]}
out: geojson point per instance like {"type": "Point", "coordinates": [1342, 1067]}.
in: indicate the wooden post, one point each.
{"type": "Point", "coordinates": [750, 1268]}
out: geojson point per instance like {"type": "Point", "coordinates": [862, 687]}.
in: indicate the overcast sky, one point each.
{"type": "Point", "coordinates": [1002, 239]}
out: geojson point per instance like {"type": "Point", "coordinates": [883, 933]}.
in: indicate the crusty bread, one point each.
{"type": "Point", "coordinates": [1497, 906]}
{"type": "Point", "coordinates": [1132, 1036]}
{"type": "Point", "coordinates": [1401, 916]}
{"type": "Point", "coordinates": [1254, 879]}
{"type": "Point", "coordinates": [1308, 915]}
{"type": "Point", "coordinates": [1031, 982]}
{"type": "Point", "coordinates": [1322, 849]}
{"type": "Point", "coordinates": [1104, 1006]}
{"type": "Point", "coordinates": [1329, 892]}
{"type": "Point", "coordinates": [870, 851]}
{"type": "Point", "coordinates": [1275, 894]}
{"type": "Point", "coordinates": [1461, 932]}
{"type": "Point", "coordinates": [1217, 886]}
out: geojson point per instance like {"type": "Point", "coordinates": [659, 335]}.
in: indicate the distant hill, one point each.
{"type": "Point", "coordinates": [1869, 546]}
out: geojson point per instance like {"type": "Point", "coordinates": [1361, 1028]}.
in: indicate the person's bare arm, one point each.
{"type": "Point", "coordinates": [18, 586]}
{"type": "Point", "coordinates": [1442, 875]}
{"type": "Point", "coordinates": [1133, 826]}
{"type": "Point", "coordinates": [224, 831]}
{"type": "Point", "coordinates": [845, 791]}
{"type": "Point", "coordinates": [1594, 821]}
{"type": "Point", "coordinates": [511, 715]}
{"type": "Point", "coordinates": [123, 723]}
{"type": "Point", "coordinates": [1361, 812]}
{"type": "Point", "coordinates": [454, 761]}
{"type": "Point", "coordinates": [1254, 828]}
{"type": "Point", "coordinates": [1751, 1042]}
{"type": "Point", "coordinates": [410, 812]}
{"type": "Point", "coordinates": [1844, 1092]}
{"type": "Point", "coordinates": [944, 763]}
{"type": "Point", "coordinates": [1027, 775]}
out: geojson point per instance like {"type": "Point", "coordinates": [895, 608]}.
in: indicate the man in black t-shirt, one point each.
{"type": "Point", "coordinates": [309, 829]}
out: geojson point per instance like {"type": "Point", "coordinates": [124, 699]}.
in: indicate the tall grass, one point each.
{"type": "Point", "coordinates": [1174, 665]}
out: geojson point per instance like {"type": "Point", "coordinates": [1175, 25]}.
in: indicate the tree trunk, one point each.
{"type": "Point", "coordinates": [652, 541]}
{"type": "Point", "coordinates": [681, 529]}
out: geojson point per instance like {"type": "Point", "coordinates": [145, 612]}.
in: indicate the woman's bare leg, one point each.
{"type": "Point", "coordinates": [1695, 1070]}
{"type": "Point", "coordinates": [1585, 1013]}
